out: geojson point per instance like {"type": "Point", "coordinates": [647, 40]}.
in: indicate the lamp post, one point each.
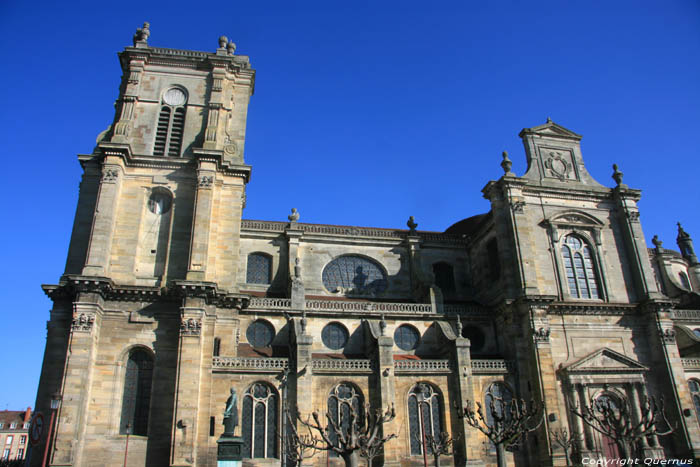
{"type": "Point", "coordinates": [55, 404]}
{"type": "Point", "coordinates": [420, 397]}
{"type": "Point", "coordinates": [126, 450]}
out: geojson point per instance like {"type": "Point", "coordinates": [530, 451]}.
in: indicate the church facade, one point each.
{"type": "Point", "coordinates": [171, 300]}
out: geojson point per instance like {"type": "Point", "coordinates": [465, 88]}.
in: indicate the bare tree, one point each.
{"type": "Point", "coordinates": [565, 440]}
{"type": "Point", "coordinates": [297, 446]}
{"type": "Point", "coordinates": [439, 445]}
{"type": "Point", "coordinates": [614, 419]}
{"type": "Point", "coordinates": [358, 436]}
{"type": "Point", "coordinates": [507, 421]}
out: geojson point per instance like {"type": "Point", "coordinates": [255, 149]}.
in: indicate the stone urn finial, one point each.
{"type": "Point", "coordinates": [657, 243]}
{"type": "Point", "coordinates": [142, 34]}
{"type": "Point", "coordinates": [506, 163]}
{"type": "Point", "coordinates": [223, 40]}
{"type": "Point", "coordinates": [411, 223]}
{"type": "Point", "coordinates": [231, 47]}
{"type": "Point", "coordinates": [294, 216]}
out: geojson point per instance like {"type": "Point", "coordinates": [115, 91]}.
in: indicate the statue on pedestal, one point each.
{"type": "Point", "coordinates": [231, 413]}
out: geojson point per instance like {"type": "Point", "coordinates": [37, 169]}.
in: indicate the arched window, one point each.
{"type": "Point", "coordinates": [259, 269]}
{"type": "Point", "coordinates": [444, 277]}
{"type": "Point", "coordinates": [424, 415]}
{"type": "Point", "coordinates": [259, 425]}
{"type": "Point", "coordinates": [171, 123]}
{"type": "Point", "coordinates": [343, 399]}
{"type": "Point", "coordinates": [578, 263]}
{"type": "Point", "coordinates": [217, 347]}
{"type": "Point", "coordinates": [137, 393]}
{"type": "Point", "coordinates": [694, 387]}
{"type": "Point", "coordinates": [354, 275]}
{"type": "Point", "coordinates": [685, 282]}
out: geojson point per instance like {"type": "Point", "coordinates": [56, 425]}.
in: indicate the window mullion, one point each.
{"type": "Point", "coordinates": [168, 133]}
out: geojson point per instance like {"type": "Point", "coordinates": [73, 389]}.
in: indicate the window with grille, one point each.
{"type": "Point", "coordinates": [354, 274]}
{"type": "Point", "coordinates": [344, 399]}
{"type": "Point", "coordinates": [334, 336]}
{"type": "Point", "coordinates": [406, 337]}
{"type": "Point", "coordinates": [424, 416]}
{"type": "Point", "coordinates": [136, 403]}
{"type": "Point", "coordinates": [259, 270]}
{"type": "Point", "coordinates": [260, 333]}
{"type": "Point", "coordinates": [444, 277]}
{"type": "Point", "coordinates": [171, 124]}
{"type": "Point", "coordinates": [259, 421]}
{"type": "Point", "coordinates": [694, 387]}
{"type": "Point", "coordinates": [579, 267]}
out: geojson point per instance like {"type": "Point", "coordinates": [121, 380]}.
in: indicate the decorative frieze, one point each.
{"type": "Point", "coordinates": [190, 327]}
{"type": "Point", "coordinates": [686, 314]}
{"type": "Point", "coordinates": [518, 206]}
{"type": "Point", "coordinates": [668, 336]}
{"type": "Point", "coordinates": [205, 181]}
{"type": "Point", "coordinates": [110, 175]}
{"type": "Point", "coordinates": [82, 322]}
{"type": "Point", "coordinates": [541, 335]}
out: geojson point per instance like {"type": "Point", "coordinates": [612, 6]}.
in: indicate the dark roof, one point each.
{"type": "Point", "coordinates": [468, 226]}
{"type": "Point", "coordinates": [7, 417]}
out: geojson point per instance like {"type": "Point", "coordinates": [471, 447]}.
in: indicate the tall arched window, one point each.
{"type": "Point", "coordinates": [444, 277]}
{"type": "Point", "coordinates": [171, 123]}
{"type": "Point", "coordinates": [136, 402]}
{"type": "Point", "coordinates": [259, 421]}
{"type": "Point", "coordinates": [259, 269]}
{"type": "Point", "coordinates": [580, 272]}
{"type": "Point", "coordinates": [424, 415]}
{"type": "Point", "coordinates": [694, 387]}
{"type": "Point", "coordinates": [343, 399]}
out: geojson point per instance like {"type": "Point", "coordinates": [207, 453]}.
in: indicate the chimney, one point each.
{"type": "Point", "coordinates": [28, 415]}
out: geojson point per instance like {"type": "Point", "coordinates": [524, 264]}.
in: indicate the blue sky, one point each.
{"type": "Point", "coordinates": [364, 113]}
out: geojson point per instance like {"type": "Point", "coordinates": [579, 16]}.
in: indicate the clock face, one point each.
{"type": "Point", "coordinates": [174, 97]}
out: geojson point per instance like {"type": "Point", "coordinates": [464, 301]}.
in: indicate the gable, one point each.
{"type": "Point", "coordinates": [605, 360]}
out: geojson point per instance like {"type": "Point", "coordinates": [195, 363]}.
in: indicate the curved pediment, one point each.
{"type": "Point", "coordinates": [574, 217]}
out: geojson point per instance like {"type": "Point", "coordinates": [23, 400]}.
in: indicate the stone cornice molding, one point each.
{"type": "Point", "coordinates": [595, 308]}
{"type": "Point", "coordinates": [238, 64]}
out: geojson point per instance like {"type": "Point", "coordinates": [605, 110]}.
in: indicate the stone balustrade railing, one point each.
{"type": "Point", "coordinates": [331, 365]}
{"type": "Point", "coordinates": [250, 364]}
{"type": "Point", "coordinates": [490, 366]}
{"type": "Point", "coordinates": [422, 366]}
{"type": "Point", "coordinates": [685, 314]}
{"type": "Point", "coordinates": [691, 363]}
{"type": "Point", "coordinates": [344, 306]}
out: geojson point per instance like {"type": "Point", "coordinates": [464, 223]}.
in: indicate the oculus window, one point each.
{"type": "Point", "coordinates": [334, 336]}
{"type": "Point", "coordinates": [406, 337]}
{"type": "Point", "coordinates": [354, 275]}
{"type": "Point", "coordinates": [260, 333]}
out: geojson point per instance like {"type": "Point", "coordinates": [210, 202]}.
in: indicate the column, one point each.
{"type": "Point", "coordinates": [100, 245]}
{"type": "Point", "coordinates": [189, 367]}
{"type": "Point", "coordinates": [587, 433]}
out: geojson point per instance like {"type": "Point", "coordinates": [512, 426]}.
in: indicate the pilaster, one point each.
{"type": "Point", "coordinates": [202, 220]}
{"type": "Point", "coordinates": [387, 395]}
{"type": "Point", "coordinates": [100, 244]}
{"type": "Point", "coordinates": [467, 446]}
{"type": "Point", "coordinates": [189, 368]}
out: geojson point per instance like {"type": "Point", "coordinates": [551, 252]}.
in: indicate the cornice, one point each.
{"type": "Point", "coordinates": [597, 308]}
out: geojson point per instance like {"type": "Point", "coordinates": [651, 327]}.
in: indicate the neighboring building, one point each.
{"type": "Point", "coordinates": [14, 433]}
{"type": "Point", "coordinates": [170, 298]}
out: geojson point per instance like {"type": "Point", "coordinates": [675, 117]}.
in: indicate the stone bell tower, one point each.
{"type": "Point", "coordinates": [155, 242]}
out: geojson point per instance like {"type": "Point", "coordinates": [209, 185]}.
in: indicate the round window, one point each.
{"type": "Point", "coordinates": [475, 336]}
{"type": "Point", "coordinates": [159, 202]}
{"type": "Point", "coordinates": [354, 275]}
{"type": "Point", "coordinates": [174, 97]}
{"type": "Point", "coordinates": [406, 337]}
{"type": "Point", "coordinates": [334, 336]}
{"type": "Point", "coordinates": [260, 333]}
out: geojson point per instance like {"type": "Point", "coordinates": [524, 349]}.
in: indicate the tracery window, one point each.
{"type": "Point", "coordinates": [171, 123]}
{"type": "Point", "coordinates": [259, 421]}
{"type": "Point", "coordinates": [354, 274]}
{"type": "Point", "coordinates": [578, 264]}
{"type": "Point", "coordinates": [694, 387]}
{"type": "Point", "coordinates": [424, 415]}
{"type": "Point", "coordinates": [343, 399]}
{"type": "Point", "coordinates": [444, 277]}
{"type": "Point", "coordinates": [136, 402]}
{"type": "Point", "coordinates": [259, 270]}
{"type": "Point", "coordinates": [334, 336]}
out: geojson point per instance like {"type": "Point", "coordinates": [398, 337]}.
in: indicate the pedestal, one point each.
{"type": "Point", "coordinates": [229, 451]}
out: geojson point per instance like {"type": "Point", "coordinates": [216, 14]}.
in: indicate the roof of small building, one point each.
{"type": "Point", "coordinates": [20, 417]}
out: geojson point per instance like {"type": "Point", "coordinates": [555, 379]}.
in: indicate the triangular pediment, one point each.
{"type": "Point", "coordinates": [551, 129]}
{"type": "Point", "coordinates": [605, 360]}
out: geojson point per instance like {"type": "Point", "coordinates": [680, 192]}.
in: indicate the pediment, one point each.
{"type": "Point", "coordinates": [605, 360]}
{"type": "Point", "coordinates": [551, 129]}
{"type": "Point", "coordinates": [575, 217]}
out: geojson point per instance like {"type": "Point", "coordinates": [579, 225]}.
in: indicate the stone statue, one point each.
{"type": "Point", "coordinates": [231, 413]}
{"type": "Point", "coordinates": [142, 34]}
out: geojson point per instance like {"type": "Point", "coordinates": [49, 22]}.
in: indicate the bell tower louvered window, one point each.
{"type": "Point", "coordinates": [171, 124]}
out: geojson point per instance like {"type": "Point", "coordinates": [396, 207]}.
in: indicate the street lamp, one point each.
{"type": "Point", "coordinates": [55, 404]}
{"type": "Point", "coordinates": [420, 397]}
